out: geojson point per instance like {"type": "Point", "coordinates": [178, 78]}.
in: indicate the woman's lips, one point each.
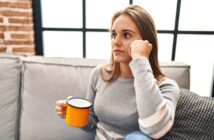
{"type": "Point", "coordinates": [118, 51]}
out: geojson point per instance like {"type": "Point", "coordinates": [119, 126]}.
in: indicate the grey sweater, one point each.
{"type": "Point", "coordinates": [127, 105]}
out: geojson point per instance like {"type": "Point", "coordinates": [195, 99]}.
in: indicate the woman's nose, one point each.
{"type": "Point", "coordinates": [117, 40]}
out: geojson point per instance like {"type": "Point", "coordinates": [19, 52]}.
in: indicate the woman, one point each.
{"type": "Point", "coordinates": [132, 98]}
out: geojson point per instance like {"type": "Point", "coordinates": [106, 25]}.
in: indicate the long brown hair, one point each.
{"type": "Point", "coordinates": [146, 27]}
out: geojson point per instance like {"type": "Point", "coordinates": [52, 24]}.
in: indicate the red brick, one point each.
{"type": "Point", "coordinates": [1, 35]}
{"type": "Point", "coordinates": [19, 28]}
{"type": "Point", "coordinates": [2, 28]}
{"type": "Point", "coordinates": [22, 21]}
{"type": "Point", "coordinates": [16, 28]}
{"type": "Point", "coordinates": [24, 5]}
{"type": "Point", "coordinates": [1, 19]}
{"type": "Point", "coordinates": [15, 13]}
{"type": "Point", "coordinates": [3, 49]}
{"type": "Point", "coordinates": [18, 42]}
{"type": "Point", "coordinates": [22, 36]}
{"type": "Point", "coordinates": [24, 49]}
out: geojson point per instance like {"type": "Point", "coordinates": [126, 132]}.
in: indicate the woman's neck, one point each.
{"type": "Point", "coordinates": [125, 71]}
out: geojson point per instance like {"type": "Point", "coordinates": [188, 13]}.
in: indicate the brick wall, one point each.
{"type": "Point", "coordinates": [16, 27]}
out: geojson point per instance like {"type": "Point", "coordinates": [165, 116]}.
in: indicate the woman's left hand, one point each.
{"type": "Point", "coordinates": [140, 48]}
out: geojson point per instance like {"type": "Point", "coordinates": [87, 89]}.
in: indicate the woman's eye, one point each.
{"type": "Point", "coordinates": [113, 35]}
{"type": "Point", "coordinates": [126, 35]}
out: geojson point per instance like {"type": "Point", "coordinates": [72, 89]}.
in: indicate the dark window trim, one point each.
{"type": "Point", "coordinates": [175, 32]}
{"type": "Point", "coordinates": [84, 27]}
{"type": "Point", "coordinates": [37, 20]}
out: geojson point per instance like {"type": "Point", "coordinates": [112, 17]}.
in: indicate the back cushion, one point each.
{"type": "Point", "coordinates": [177, 71]}
{"type": "Point", "coordinates": [194, 118]}
{"type": "Point", "coordinates": [46, 80]}
{"type": "Point", "coordinates": [10, 73]}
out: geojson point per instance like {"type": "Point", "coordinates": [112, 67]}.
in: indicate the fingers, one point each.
{"type": "Point", "coordinates": [61, 114]}
{"type": "Point", "coordinates": [150, 45]}
{"type": "Point", "coordinates": [60, 108]}
{"type": "Point", "coordinates": [140, 48]}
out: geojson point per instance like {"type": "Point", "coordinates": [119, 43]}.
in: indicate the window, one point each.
{"type": "Point", "coordinates": [71, 28]}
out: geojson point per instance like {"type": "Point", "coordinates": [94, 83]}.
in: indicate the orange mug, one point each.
{"type": "Point", "coordinates": [77, 112]}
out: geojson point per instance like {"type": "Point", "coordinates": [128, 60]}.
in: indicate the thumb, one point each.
{"type": "Point", "coordinates": [69, 97]}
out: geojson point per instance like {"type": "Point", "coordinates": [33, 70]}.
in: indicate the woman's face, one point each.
{"type": "Point", "coordinates": [123, 32]}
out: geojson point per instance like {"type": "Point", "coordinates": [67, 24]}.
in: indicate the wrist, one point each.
{"type": "Point", "coordinates": [138, 56]}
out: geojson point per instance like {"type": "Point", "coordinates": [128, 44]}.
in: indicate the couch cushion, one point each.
{"type": "Point", "coordinates": [10, 73]}
{"type": "Point", "coordinates": [180, 72]}
{"type": "Point", "coordinates": [194, 118]}
{"type": "Point", "coordinates": [46, 80]}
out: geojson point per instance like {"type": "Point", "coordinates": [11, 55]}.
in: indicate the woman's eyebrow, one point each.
{"type": "Point", "coordinates": [124, 30]}
{"type": "Point", "coordinates": [127, 30]}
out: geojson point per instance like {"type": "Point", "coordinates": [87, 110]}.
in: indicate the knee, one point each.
{"type": "Point", "coordinates": [138, 135]}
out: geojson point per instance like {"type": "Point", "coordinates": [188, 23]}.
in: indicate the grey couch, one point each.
{"type": "Point", "coordinates": [30, 86]}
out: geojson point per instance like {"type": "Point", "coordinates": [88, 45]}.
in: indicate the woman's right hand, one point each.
{"type": "Point", "coordinates": [139, 48]}
{"type": "Point", "coordinates": [60, 108]}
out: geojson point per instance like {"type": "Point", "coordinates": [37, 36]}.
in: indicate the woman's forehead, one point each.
{"type": "Point", "coordinates": [124, 22]}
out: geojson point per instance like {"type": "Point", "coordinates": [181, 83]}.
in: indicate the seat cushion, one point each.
{"type": "Point", "coordinates": [194, 118]}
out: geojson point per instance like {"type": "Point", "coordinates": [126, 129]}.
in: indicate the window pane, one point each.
{"type": "Point", "coordinates": [98, 45]}
{"type": "Point", "coordinates": [100, 12]}
{"type": "Point", "coordinates": [62, 13]}
{"type": "Point", "coordinates": [162, 11]}
{"type": "Point", "coordinates": [63, 44]}
{"type": "Point", "coordinates": [197, 15]}
{"type": "Point", "coordinates": [165, 47]}
{"type": "Point", "coordinates": [197, 50]}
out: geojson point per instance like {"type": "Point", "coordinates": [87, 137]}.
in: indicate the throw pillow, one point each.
{"type": "Point", "coordinates": [194, 119]}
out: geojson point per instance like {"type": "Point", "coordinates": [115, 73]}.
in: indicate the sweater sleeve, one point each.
{"type": "Point", "coordinates": [91, 93]}
{"type": "Point", "coordinates": [156, 105]}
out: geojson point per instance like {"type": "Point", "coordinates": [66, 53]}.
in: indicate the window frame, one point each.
{"type": "Point", "coordinates": [38, 30]}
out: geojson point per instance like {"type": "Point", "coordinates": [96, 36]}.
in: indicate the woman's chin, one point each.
{"type": "Point", "coordinates": [121, 60]}
{"type": "Point", "coordinates": [117, 59]}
